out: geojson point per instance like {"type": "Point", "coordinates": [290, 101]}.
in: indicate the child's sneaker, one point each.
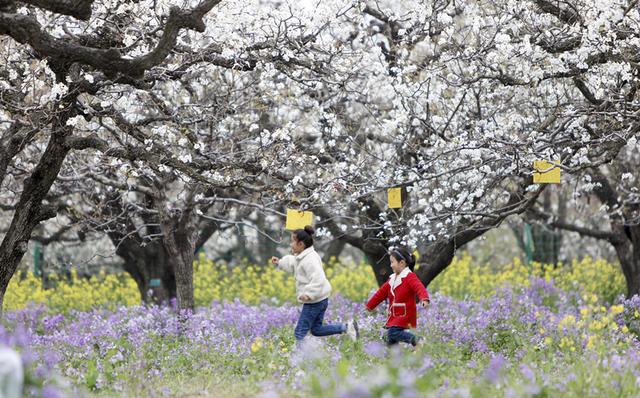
{"type": "Point", "coordinates": [417, 342]}
{"type": "Point", "coordinates": [352, 330]}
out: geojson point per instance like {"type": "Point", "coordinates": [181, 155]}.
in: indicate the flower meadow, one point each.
{"type": "Point", "coordinates": [257, 284]}
{"type": "Point", "coordinates": [517, 330]}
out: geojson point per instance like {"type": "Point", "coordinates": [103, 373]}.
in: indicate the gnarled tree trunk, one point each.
{"type": "Point", "coordinates": [30, 210]}
{"type": "Point", "coordinates": [333, 250]}
{"type": "Point", "coordinates": [150, 268]}
{"type": "Point", "coordinates": [180, 238]}
{"type": "Point", "coordinates": [438, 256]}
{"type": "Point", "coordinates": [626, 242]}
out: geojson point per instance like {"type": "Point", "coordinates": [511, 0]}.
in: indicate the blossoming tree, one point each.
{"type": "Point", "coordinates": [454, 102]}
{"type": "Point", "coordinates": [66, 62]}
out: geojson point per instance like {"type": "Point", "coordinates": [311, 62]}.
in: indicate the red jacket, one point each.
{"type": "Point", "coordinates": [402, 298]}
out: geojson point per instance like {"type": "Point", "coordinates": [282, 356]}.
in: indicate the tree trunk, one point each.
{"type": "Point", "coordinates": [333, 250]}
{"type": "Point", "coordinates": [30, 210]}
{"type": "Point", "coordinates": [183, 266]}
{"type": "Point", "coordinates": [630, 265]}
{"type": "Point", "coordinates": [627, 246]}
{"type": "Point", "coordinates": [148, 263]}
{"type": "Point", "coordinates": [180, 247]}
{"type": "Point", "coordinates": [633, 288]}
{"type": "Point", "coordinates": [377, 256]}
{"type": "Point", "coordinates": [439, 255]}
{"type": "Point", "coordinates": [632, 277]}
{"type": "Point", "coordinates": [180, 238]}
{"type": "Point", "coordinates": [625, 236]}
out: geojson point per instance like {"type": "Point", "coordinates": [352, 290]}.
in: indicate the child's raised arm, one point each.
{"type": "Point", "coordinates": [378, 297]}
{"type": "Point", "coordinates": [285, 263]}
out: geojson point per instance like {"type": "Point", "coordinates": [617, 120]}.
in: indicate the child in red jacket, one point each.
{"type": "Point", "coordinates": [401, 290]}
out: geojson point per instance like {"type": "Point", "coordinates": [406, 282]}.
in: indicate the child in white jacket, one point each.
{"type": "Point", "coordinates": [312, 287]}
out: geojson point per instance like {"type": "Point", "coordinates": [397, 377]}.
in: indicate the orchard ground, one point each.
{"type": "Point", "coordinates": [521, 331]}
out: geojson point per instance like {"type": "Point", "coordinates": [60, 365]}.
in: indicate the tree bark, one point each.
{"type": "Point", "coordinates": [333, 250]}
{"type": "Point", "coordinates": [439, 255]}
{"type": "Point", "coordinates": [180, 244]}
{"type": "Point", "coordinates": [26, 29]}
{"type": "Point", "coordinates": [147, 263]}
{"type": "Point", "coordinates": [625, 236]}
{"type": "Point", "coordinates": [180, 238]}
{"type": "Point", "coordinates": [377, 255]}
{"type": "Point", "coordinates": [30, 210]}
{"type": "Point", "coordinates": [627, 245]}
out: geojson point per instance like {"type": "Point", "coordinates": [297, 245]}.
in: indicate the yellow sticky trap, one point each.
{"type": "Point", "coordinates": [546, 172]}
{"type": "Point", "coordinates": [394, 197]}
{"type": "Point", "coordinates": [297, 219]}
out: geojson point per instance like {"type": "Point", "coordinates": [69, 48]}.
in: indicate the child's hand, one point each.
{"type": "Point", "coordinates": [304, 297]}
{"type": "Point", "coordinates": [275, 260]}
{"type": "Point", "coordinates": [424, 303]}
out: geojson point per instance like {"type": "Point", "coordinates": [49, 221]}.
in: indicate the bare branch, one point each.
{"type": "Point", "coordinates": [584, 231]}
{"type": "Point", "coordinates": [80, 9]}
{"type": "Point", "coordinates": [57, 236]}
{"type": "Point", "coordinates": [566, 15]}
{"type": "Point", "coordinates": [26, 30]}
{"type": "Point", "coordinates": [581, 85]}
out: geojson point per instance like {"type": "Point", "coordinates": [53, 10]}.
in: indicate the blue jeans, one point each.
{"type": "Point", "coordinates": [311, 319]}
{"type": "Point", "coordinates": [396, 334]}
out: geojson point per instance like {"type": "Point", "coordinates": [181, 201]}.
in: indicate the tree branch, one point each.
{"type": "Point", "coordinates": [584, 231]}
{"type": "Point", "coordinates": [134, 153]}
{"type": "Point", "coordinates": [80, 9]}
{"type": "Point", "coordinates": [559, 46]}
{"type": "Point", "coordinates": [126, 186]}
{"type": "Point", "coordinates": [563, 14]}
{"type": "Point", "coordinates": [330, 223]}
{"type": "Point", "coordinates": [55, 237]}
{"type": "Point", "coordinates": [581, 85]}
{"type": "Point", "coordinates": [26, 30]}
{"type": "Point", "coordinates": [605, 192]}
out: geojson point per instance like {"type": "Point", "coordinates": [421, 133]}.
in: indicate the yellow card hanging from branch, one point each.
{"type": "Point", "coordinates": [546, 172]}
{"type": "Point", "coordinates": [297, 219]}
{"type": "Point", "coordinates": [394, 197]}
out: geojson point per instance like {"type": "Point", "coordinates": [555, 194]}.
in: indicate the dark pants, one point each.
{"type": "Point", "coordinates": [311, 319]}
{"type": "Point", "coordinates": [396, 334]}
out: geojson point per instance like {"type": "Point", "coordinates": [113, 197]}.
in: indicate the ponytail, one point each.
{"type": "Point", "coordinates": [305, 235]}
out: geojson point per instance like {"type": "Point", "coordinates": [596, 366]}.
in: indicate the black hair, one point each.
{"type": "Point", "coordinates": [402, 253]}
{"type": "Point", "coordinates": [305, 235]}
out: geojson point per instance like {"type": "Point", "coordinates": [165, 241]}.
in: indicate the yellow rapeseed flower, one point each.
{"type": "Point", "coordinates": [617, 309]}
